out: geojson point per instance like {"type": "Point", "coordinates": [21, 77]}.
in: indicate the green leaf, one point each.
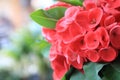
{"type": "Point", "coordinates": [48, 18]}
{"type": "Point", "coordinates": [92, 70]}
{"type": "Point", "coordinates": [56, 13]}
{"type": "Point", "coordinates": [73, 2]}
{"type": "Point", "coordinates": [110, 73]}
{"type": "Point", "coordinates": [104, 78]}
{"type": "Point", "coordinates": [77, 76]}
{"type": "Point", "coordinates": [116, 64]}
{"type": "Point", "coordinates": [40, 17]}
{"type": "Point", "coordinates": [73, 74]}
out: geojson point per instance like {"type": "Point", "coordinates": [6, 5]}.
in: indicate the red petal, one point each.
{"type": "Point", "coordinates": [89, 4]}
{"type": "Point", "coordinates": [95, 16]}
{"type": "Point", "coordinates": [82, 19]}
{"type": "Point", "coordinates": [92, 40]}
{"type": "Point", "coordinates": [104, 37]}
{"type": "Point", "coordinates": [109, 20]}
{"type": "Point", "coordinates": [71, 55]}
{"type": "Point", "coordinates": [78, 64]}
{"type": "Point", "coordinates": [49, 34]}
{"type": "Point", "coordinates": [60, 66]}
{"type": "Point", "coordinates": [107, 54]}
{"type": "Point", "coordinates": [114, 3]}
{"type": "Point", "coordinates": [72, 12]}
{"type": "Point", "coordinates": [78, 44]}
{"type": "Point", "coordinates": [72, 32]}
{"type": "Point", "coordinates": [92, 55]}
{"type": "Point", "coordinates": [115, 37]}
{"type": "Point", "coordinates": [62, 25]}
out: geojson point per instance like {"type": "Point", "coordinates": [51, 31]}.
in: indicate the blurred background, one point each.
{"type": "Point", "coordinates": [23, 50]}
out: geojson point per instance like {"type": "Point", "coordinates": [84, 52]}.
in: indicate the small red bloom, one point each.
{"type": "Point", "coordinates": [109, 20]}
{"type": "Point", "coordinates": [111, 6]}
{"type": "Point", "coordinates": [75, 58]}
{"type": "Point", "coordinates": [49, 34]}
{"type": "Point", "coordinates": [92, 40]}
{"type": "Point", "coordinates": [82, 20]}
{"type": "Point", "coordinates": [107, 54]}
{"type": "Point", "coordinates": [92, 55]}
{"type": "Point", "coordinates": [89, 4]}
{"type": "Point", "coordinates": [103, 36]}
{"type": "Point", "coordinates": [94, 17]}
{"type": "Point", "coordinates": [78, 64]}
{"type": "Point", "coordinates": [69, 32]}
{"type": "Point", "coordinates": [80, 43]}
{"type": "Point", "coordinates": [90, 19]}
{"type": "Point", "coordinates": [60, 67]}
{"type": "Point", "coordinates": [115, 36]}
{"type": "Point", "coordinates": [72, 12]}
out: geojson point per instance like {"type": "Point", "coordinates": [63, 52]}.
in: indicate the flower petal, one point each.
{"type": "Point", "coordinates": [60, 66]}
{"type": "Point", "coordinates": [93, 56]}
{"type": "Point", "coordinates": [91, 40]}
{"type": "Point", "coordinates": [95, 16]}
{"type": "Point", "coordinates": [49, 34]}
{"type": "Point", "coordinates": [115, 36]}
{"type": "Point", "coordinates": [107, 54]}
{"type": "Point", "coordinates": [104, 37]}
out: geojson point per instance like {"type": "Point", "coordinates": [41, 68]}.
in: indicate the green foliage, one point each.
{"type": "Point", "coordinates": [95, 71]}
{"type": "Point", "coordinates": [110, 73]}
{"type": "Point", "coordinates": [48, 18]}
{"type": "Point", "coordinates": [56, 13]}
{"type": "Point", "coordinates": [40, 17]}
{"type": "Point", "coordinates": [74, 2]}
{"type": "Point", "coordinates": [116, 64]}
{"type": "Point", "coordinates": [92, 70]}
{"type": "Point", "coordinates": [74, 74]}
{"type": "Point", "coordinates": [78, 75]}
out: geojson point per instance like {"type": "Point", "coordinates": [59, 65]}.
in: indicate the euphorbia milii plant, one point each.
{"type": "Point", "coordinates": [84, 37]}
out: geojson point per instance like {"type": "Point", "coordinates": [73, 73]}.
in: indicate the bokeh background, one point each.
{"type": "Point", "coordinates": [23, 50]}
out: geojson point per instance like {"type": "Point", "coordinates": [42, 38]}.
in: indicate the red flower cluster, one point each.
{"type": "Point", "coordinates": [88, 33]}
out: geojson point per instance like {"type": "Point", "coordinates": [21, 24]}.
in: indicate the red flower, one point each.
{"type": "Point", "coordinates": [94, 17]}
{"type": "Point", "coordinates": [90, 19]}
{"type": "Point", "coordinates": [67, 27]}
{"type": "Point", "coordinates": [92, 55]}
{"type": "Point", "coordinates": [82, 20]}
{"type": "Point", "coordinates": [92, 40]}
{"type": "Point", "coordinates": [115, 36]}
{"type": "Point", "coordinates": [58, 61]}
{"type": "Point", "coordinates": [60, 67]}
{"type": "Point", "coordinates": [91, 32]}
{"type": "Point", "coordinates": [49, 34]}
{"type": "Point", "coordinates": [78, 64]}
{"type": "Point", "coordinates": [103, 36]}
{"type": "Point", "coordinates": [75, 58]}
{"type": "Point", "coordinates": [107, 54]}
{"type": "Point", "coordinates": [113, 3]}
{"type": "Point", "coordinates": [111, 6]}
{"type": "Point", "coordinates": [109, 20]}
{"type": "Point", "coordinates": [89, 4]}
{"type": "Point", "coordinates": [72, 12]}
